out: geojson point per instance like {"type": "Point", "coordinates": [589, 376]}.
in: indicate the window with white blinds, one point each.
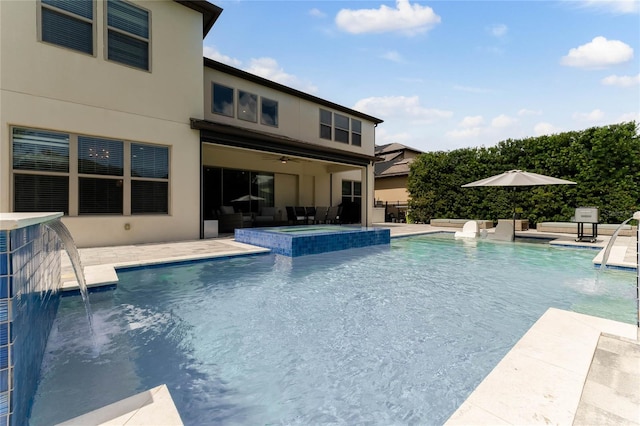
{"type": "Point", "coordinates": [128, 34]}
{"type": "Point", "coordinates": [45, 163]}
{"type": "Point", "coordinates": [68, 23]}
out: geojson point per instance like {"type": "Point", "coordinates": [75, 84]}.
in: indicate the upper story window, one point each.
{"type": "Point", "coordinates": [340, 128]}
{"type": "Point", "coordinates": [326, 124]}
{"type": "Point", "coordinates": [269, 112]}
{"type": "Point", "coordinates": [222, 102]}
{"type": "Point", "coordinates": [356, 132]}
{"type": "Point", "coordinates": [128, 36]}
{"type": "Point", "coordinates": [341, 131]}
{"type": "Point", "coordinates": [247, 106]}
{"type": "Point", "coordinates": [68, 23]}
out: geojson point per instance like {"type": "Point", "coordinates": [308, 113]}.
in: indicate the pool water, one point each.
{"type": "Point", "coordinates": [397, 334]}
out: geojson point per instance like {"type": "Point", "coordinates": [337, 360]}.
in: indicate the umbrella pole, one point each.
{"type": "Point", "coordinates": [514, 214]}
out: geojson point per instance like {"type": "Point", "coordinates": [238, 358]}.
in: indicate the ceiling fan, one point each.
{"type": "Point", "coordinates": [284, 159]}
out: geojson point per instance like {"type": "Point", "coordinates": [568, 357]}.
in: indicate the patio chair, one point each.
{"type": "Point", "coordinates": [267, 215]}
{"type": "Point", "coordinates": [301, 214]}
{"type": "Point", "coordinates": [503, 232]}
{"type": "Point", "coordinates": [310, 213]}
{"type": "Point", "coordinates": [469, 230]}
{"type": "Point", "coordinates": [321, 214]}
{"type": "Point", "coordinates": [333, 214]}
{"type": "Point", "coordinates": [229, 219]}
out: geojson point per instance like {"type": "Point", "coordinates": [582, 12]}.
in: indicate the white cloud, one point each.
{"type": "Point", "coordinates": [269, 69]}
{"type": "Point", "coordinates": [630, 116]}
{"type": "Point", "coordinates": [591, 117]}
{"type": "Point", "coordinates": [212, 53]}
{"type": "Point", "coordinates": [471, 121]}
{"type": "Point", "coordinates": [621, 80]}
{"type": "Point", "coordinates": [401, 106]}
{"type": "Point", "coordinates": [613, 6]}
{"type": "Point", "coordinates": [317, 13]}
{"type": "Point", "coordinates": [392, 56]}
{"type": "Point", "coordinates": [499, 30]}
{"type": "Point", "coordinates": [525, 112]}
{"type": "Point", "coordinates": [544, 128]}
{"type": "Point", "coordinates": [406, 18]}
{"type": "Point", "coordinates": [598, 53]}
{"type": "Point", "coordinates": [502, 121]}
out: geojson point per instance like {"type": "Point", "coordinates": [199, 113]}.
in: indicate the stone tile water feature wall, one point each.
{"type": "Point", "coordinates": [30, 281]}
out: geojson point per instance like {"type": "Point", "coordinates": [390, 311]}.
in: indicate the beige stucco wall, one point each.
{"type": "Point", "coordinates": [298, 118]}
{"type": "Point", "coordinates": [392, 189]}
{"type": "Point", "coordinates": [50, 87]}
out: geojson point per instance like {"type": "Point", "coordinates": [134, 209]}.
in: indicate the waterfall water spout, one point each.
{"type": "Point", "coordinates": [607, 250]}
{"type": "Point", "coordinates": [74, 256]}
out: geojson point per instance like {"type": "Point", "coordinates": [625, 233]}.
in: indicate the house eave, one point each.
{"type": "Point", "coordinates": [210, 13]}
{"type": "Point", "coordinates": [234, 136]}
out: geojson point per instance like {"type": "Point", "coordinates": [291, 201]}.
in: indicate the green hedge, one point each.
{"type": "Point", "coordinates": [603, 161]}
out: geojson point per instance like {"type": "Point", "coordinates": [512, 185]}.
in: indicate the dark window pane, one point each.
{"type": "Point", "coordinates": [100, 196]}
{"type": "Point", "coordinates": [346, 187]}
{"type": "Point", "coordinates": [341, 135]}
{"type": "Point", "coordinates": [357, 188]}
{"type": "Point", "coordinates": [149, 197]}
{"type": "Point", "coordinates": [83, 8]}
{"type": "Point", "coordinates": [356, 139]}
{"type": "Point", "coordinates": [342, 122]}
{"type": "Point", "coordinates": [325, 117]}
{"type": "Point", "coordinates": [325, 132]}
{"type": "Point", "coordinates": [356, 126]}
{"type": "Point", "coordinates": [128, 50]}
{"type": "Point", "coordinates": [235, 184]}
{"type": "Point", "coordinates": [149, 161]}
{"type": "Point", "coordinates": [100, 156]}
{"type": "Point", "coordinates": [40, 150]}
{"type": "Point", "coordinates": [269, 114]}
{"type": "Point", "coordinates": [247, 106]}
{"type": "Point", "coordinates": [67, 31]}
{"type": "Point", "coordinates": [222, 100]}
{"type": "Point", "coordinates": [129, 18]}
{"type": "Point", "coordinates": [34, 193]}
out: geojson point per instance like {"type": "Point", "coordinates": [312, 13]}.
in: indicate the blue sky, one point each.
{"type": "Point", "coordinates": [446, 74]}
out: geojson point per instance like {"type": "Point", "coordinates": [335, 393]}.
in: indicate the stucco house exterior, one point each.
{"type": "Point", "coordinates": [110, 114]}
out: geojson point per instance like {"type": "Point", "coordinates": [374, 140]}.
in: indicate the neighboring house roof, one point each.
{"type": "Point", "coordinates": [394, 161]}
{"type": "Point", "coordinates": [210, 12]}
{"type": "Point", "coordinates": [219, 66]}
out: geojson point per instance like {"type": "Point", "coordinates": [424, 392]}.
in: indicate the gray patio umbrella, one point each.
{"type": "Point", "coordinates": [248, 197]}
{"type": "Point", "coordinates": [515, 178]}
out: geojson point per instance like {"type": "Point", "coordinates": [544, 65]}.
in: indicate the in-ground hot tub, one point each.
{"type": "Point", "coordinates": [296, 241]}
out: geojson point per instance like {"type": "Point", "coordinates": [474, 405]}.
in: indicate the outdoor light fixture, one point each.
{"type": "Point", "coordinates": [284, 160]}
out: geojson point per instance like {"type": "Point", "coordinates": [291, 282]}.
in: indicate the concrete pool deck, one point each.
{"type": "Point", "coordinates": [564, 370]}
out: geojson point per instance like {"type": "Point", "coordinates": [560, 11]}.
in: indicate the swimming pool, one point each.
{"type": "Point", "coordinates": [393, 334]}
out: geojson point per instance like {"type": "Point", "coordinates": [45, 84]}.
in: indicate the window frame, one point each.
{"type": "Point", "coordinates": [332, 129]}
{"type": "Point", "coordinates": [252, 96]}
{"type": "Point", "coordinates": [108, 28]}
{"type": "Point", "coordinates": [213, 100]}
{"type": "Point", "coordinates": [39, 18]}
{"type": "Point", "coordinates": [277, 110]}
{"type": "Point", "coordinates": [356, 133]}
{"type": "Point", "coordinates": [73, 175]}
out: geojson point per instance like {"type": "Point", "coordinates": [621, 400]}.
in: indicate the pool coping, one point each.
{"type": "Point", "coordinates": [541, 379]}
